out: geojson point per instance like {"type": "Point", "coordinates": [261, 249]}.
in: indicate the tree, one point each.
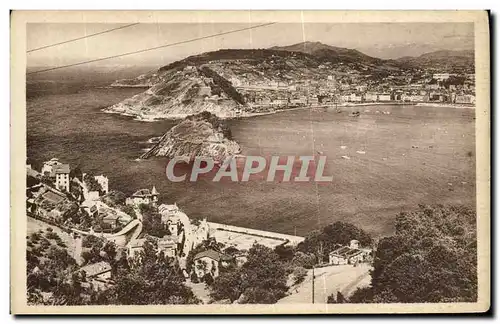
{"type": "Point", "coordinates": [76, 173]}
{"type": "Point", "coordinates": [299, 274]}
{"type": "Point", "coordinates": [285, 252]}
{"type": "Point", "coordinates": [325, 240]}
{"type": "Point", "coordinates": [114, 198]}
{"type": "Point", "coordinates": [431, 258]}
{"type": "Point", "coordinates": [154, 280]}
{"type": "Point", "coordinates": [99, 249]}
{"type": "Point", "coordinates": [306, 260]}
{"type": "Point", "coordinates": [91, 183]}
{"type": "Point", "coordinates": [340, 299]}
{"type": "Point", "coordinates": [262, 279]}
{"type": "Point", "coordinates": [151, 221]}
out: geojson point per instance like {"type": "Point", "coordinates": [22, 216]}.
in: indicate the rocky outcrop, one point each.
{"type": "Point", "coordinates": [203, 134]}
{"type": "Point", "coordinates": [178, 93]}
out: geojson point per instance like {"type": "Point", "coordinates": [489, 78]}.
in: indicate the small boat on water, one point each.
{"type": "Point", "coordinates": [361, 152]}
{"type": "Point", "coordinates": [346, 157]}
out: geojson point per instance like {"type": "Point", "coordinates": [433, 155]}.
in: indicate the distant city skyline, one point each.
{"type": "Point", "coordinates": [383, 40]}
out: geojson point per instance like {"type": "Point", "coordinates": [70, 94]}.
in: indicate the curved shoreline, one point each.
{"type": "Point", "coordinates": [139, 117]}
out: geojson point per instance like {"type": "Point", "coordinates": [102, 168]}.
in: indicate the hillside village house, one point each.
{"type": "Point", "coordinates": [465, 99]}
{"type": "Point", "coordinates": [109, 221]}
{"type": "Point", "coordinates": [50, 204]}
{"type": "Point", "coordinates": [47, 168]}
{"type": "Point", "coordinates": [97, 274]}
{"type": "Point", "coordinates": [209, 262]}
{"type": "Point", "coordinates": [143, 196]}
{"type": "Point", "coordinates": [384, 97]}
{"type": "Point", "coordinates": [369, 96]}
{"type": "Point", "coordinates": [58, 173]}
{"type": "Point", "coordinates": [181, 229]}
{"type": "Point", "coordinates": [62, 177]}
{"type": "Point", "coordinates": [172, 218]}
{"type": "Point", "coordinates": [135, 247]}
{"type": "Point", "coordinates": [351, 254]}
{"type": "Point", "coordinates": [168, 245]}
{"type": "Point", "coordinates": [103, 182]}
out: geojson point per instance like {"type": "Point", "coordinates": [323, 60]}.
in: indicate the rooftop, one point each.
{"type": "Point", "coordinates": [61, 168]}
{"type": "Point", "coordinates": [95, 269]}
{"type": "Point", "coordinates": [212, 254]}
{"type": "Point", "coordinates": [53, 197]}
{"type": "Point", "coordinates": [142, 193]}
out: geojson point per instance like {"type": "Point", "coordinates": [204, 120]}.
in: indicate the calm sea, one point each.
{"type": "Point", "coordinates": [409, 156]}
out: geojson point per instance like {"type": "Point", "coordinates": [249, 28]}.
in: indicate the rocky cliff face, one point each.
{"type": "Point", "coordinates": [179, 92]}
{"type": "Point", "coordinates": [203, 134]}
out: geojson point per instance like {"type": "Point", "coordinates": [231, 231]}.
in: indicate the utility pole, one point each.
{"type": "Point", "coordinates": [313, 286]}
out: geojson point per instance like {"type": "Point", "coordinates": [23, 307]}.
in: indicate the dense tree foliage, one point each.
{"type": "Point", "coordinates": [153, 280]}
{"type": "Point", "coordinates": [217, 123]}
{"type": "Point", "coordinates": [223, 84]}
{"type": "Point", "coordinates": [91, 183]}
{"type": "Point", "coordinates": [261, 280]}
{"type": "Point", "coordinates": [114, 198]}
{"type": "Point", "coordinates": [97, 249]}
{"type": "Point", "coordinates": [48, 267]}
{"type": "Point", "coordinates": [431, 258]}
{"type": "Point", "coordinates": [151, 221]}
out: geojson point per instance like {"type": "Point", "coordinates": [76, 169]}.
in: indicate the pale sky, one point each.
{"type": "Point", "coordinates": [385, 40]}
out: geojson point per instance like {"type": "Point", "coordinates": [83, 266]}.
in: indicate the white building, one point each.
{"type": "Point", "coordinates": [355, 98]}
{"type": "Point", "coordinates": [370, 96]}
{"type": "Point", "coordinates": [351, 254]}
{"type": "Point", "coordinates": [465, 99]}
{"type": "Point", "coordinates": [235, 82]}
{"type": "Point", "coordinates": [172, 217]}
{"type": "Point", "coordinates": [143, 196]}
{"type": "Point", "coordinates": [103, 181]}
{"type": "Point", "coordinates": [208, 262]}
{"type": "Point", "coordinates": [62, 177]}
{"type": "Point", "coordinates": [48, 166]}
{"type": "Point", "coordinates": [441, 76]}
{"type": "Point", "coordinates": [384, 97]}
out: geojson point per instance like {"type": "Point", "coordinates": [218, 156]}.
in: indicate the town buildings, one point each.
{"type": "Point", "coordinates": [62, 177]}
{"type": "Point", "coordinates": [351, 254]}
{"type": "Point", "coordinates": [209, 262]}
{"type": "Point", "coordinates": [98, 275]}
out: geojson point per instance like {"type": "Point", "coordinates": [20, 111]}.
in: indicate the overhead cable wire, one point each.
{"type": "Point", "coordinates": [150, 48]}
{"type": "Point", "coordinates": [79, 38]}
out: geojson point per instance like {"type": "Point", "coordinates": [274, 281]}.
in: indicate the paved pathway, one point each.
{"type": "Point", "coordinates": [328, 281]}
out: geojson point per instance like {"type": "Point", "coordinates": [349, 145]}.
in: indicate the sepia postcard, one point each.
{"type": "Point", "coordinates": [250, 162]}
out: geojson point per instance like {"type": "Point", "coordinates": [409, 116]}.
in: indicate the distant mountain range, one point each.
{"type": "Point", "coordinates": [330, 53]}
{"type": "Point", "coordinates": [441, 59]}
{"type": "Point", "coordinates": [444, 59]}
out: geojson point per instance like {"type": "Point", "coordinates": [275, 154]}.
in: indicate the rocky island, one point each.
{"type": "Point", "coordinates": [203, 134]}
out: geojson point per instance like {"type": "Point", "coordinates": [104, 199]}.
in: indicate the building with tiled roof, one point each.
{"type": "Point", "coordinates": [100, 270]}
{"type": "Point", "coordinates": [143, 196]}
{"type": "Point", "coordinates": [348, 254]}
{"type": "Point", "coordinates": [209, 262]}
